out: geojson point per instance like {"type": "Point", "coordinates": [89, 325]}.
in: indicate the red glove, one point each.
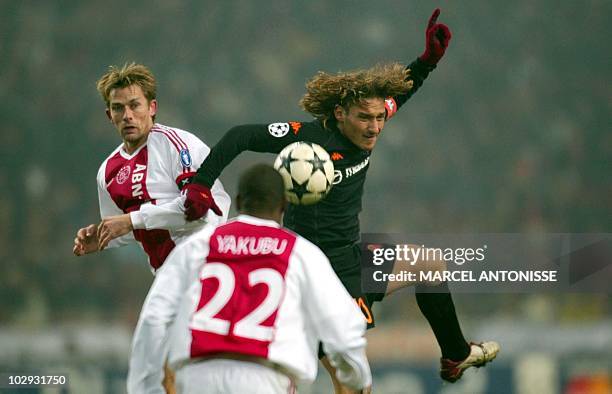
{"type": "Point", "coordinates": [437, 37]}
{"type": "Point", "coordinates": [198, 201]}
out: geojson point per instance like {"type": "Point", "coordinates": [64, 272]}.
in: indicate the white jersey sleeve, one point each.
{"type": "Point", "coordinates": [109, 208]}
{"type": "Point", "coordinates": [336, 318]}
{"type": "Point", "coordinates": [181, 154]}
{"type": "Point", "coordinates": [150, 342]}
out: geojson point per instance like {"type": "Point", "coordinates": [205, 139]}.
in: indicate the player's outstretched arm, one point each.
{"type": "Point", "coordinates": [270, 138]}
{"type": "Point", "coordinates": [437, 37]}
{"type": "Point", "coordinates": [178, 167]}
{"type": "Point", "coordinates": [86, 240]}
{"type": "Point", "coordinates": [171, 215]}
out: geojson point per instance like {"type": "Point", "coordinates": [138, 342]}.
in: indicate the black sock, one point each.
{"type": "Point", "coordinates": [436, 304]}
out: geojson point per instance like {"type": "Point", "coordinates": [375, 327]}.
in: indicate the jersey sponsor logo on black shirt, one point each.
{"type": "Point", "coordinates": [339, 175]}
{"type": "Point", "coordinates": [356, 168]}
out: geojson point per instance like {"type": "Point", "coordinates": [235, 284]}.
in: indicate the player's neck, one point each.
{"type": "Point", "coordinates": [276, 217]}
{"type": "Point", "coordinates": [132, 146]}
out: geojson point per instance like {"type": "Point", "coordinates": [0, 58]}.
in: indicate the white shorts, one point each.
{"type": "Point", "coordinates": [220, 376]}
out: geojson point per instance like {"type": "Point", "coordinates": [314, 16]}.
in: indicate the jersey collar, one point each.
{"type": "Point", "coordinates": [257, 221]}
{"type": "Point", "coordinates": [128, 156]}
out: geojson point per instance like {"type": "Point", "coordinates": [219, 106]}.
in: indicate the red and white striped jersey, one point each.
{"type": "Point", "coordinates": [146, 184]}
{"type": "Point", "coordinates": [248, 287]}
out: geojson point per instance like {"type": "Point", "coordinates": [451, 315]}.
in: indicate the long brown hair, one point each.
{"type": "Point", "coordinates": [325, 91]}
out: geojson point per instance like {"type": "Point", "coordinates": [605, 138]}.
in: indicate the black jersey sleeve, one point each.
{"type": "Point", "coordinates": [270, 138]}
{"type": "Point", "coordinates": [419, 70]}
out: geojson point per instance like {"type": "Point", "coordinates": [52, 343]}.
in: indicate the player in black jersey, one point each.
{"type": "Point", "coordinates": [350, 111]}
{"type": "Point", "coordinates": [334, 221]}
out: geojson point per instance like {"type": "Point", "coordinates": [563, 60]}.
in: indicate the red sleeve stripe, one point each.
{"type": "Point", "coordinates": [181, 143]}
{"type": "Point", "coordinates": [178, 137]}
{"type": "Point", "coordinates": [171, 133]}
{"type": "Point", "coordinates": [175, 134]}
{"type": "Point", "coordinates": [178, 149]}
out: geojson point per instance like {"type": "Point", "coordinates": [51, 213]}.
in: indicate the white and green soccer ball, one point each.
{"type": "Point", "coordinates": [307, 170]}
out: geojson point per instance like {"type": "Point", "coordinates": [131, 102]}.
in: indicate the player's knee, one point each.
{"type": "Point", "coordinates": [432, 272]}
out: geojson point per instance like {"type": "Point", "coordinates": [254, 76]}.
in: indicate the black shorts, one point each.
{"type": "Point", "coordinates": [347, 264]}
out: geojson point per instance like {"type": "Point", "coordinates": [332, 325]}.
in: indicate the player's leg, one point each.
{"type": "Point", "coordinates": [436, 304]}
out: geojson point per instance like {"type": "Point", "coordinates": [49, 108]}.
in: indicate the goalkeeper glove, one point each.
{"type": "Point", "coordinates": [198, 200]}
{"type": "Point", "coordinates": [437, 36]}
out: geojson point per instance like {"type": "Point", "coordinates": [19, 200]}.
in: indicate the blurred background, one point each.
{"type": "Point", "coordinates": [511, 133]}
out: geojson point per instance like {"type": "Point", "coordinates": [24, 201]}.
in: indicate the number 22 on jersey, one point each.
{"type": "Point", "coordinates": [230, 308]}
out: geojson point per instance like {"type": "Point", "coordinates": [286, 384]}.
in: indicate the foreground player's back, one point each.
{"type": "Point", "coordinates": [266, 292]}
{"type": "Point", "coordinates": [243, 296]}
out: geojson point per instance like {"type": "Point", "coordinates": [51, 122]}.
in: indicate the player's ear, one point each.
{"type": "Point", "coordinates": [108, 114]}
{"type": "Point", "coordinates": [153, 107]}
{"type": "Point", "coordinates": [339, 113]}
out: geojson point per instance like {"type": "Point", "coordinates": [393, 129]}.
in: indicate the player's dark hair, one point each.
{"type": "Point", "coordinates": [261, 190]}
{"type": "Point", "coordinates": [325, 91]}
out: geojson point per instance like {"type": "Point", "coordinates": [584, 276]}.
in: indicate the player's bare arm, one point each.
{"type": "Point", "coordinates": [86, 240]}
{"type": "Point", "coordinates": [112, 227]}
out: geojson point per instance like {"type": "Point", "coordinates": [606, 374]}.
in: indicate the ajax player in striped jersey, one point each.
{"type": "Point", "coordinates": [140, 182]}
{"type": "Point", "coordinates": [242, 307]}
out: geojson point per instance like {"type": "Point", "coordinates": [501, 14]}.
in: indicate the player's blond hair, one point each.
{"type": "Point", "coordinates": [129, 74]}
{"type": "Point", "coordinates": [325, 91]}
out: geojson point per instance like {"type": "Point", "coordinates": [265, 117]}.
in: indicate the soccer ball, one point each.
{"type": "Point", "coordinates": [307, 171]}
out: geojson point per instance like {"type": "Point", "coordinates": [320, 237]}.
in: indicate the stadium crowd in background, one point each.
{"type": "Point", "coordinates": [526, 154]}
